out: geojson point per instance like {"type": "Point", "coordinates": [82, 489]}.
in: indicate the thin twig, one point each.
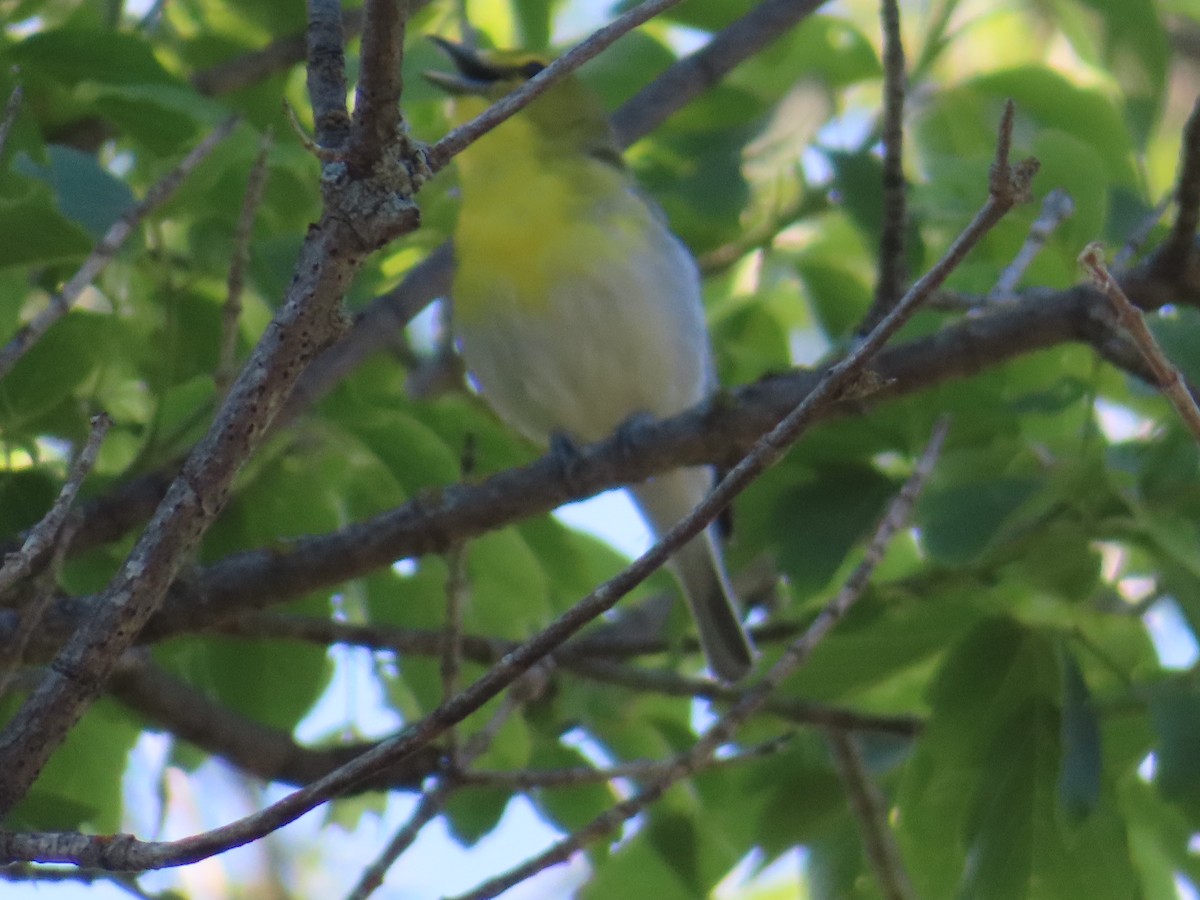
{"type": "Point", "coordinates": [892, 267]}
{"type": "Point", "coordinates": [458, 588]}
{"type": "Point", "coordinates": [376, 121]}
{"type": "Point", "coordinates": [41, 875]}
{"type": "Point", "coordinates": [53, 531]}
{"type": "Point", "coordinates": [106, 250]}
{"type": "Point", "coordinates": [638, 770]}
{"type": "Point", "coordinates": [452, 144]}
{"type": "Point", "coordinates": [253, 748]}
{"type": "Point", "coordinates": [1056, 208]}
{"type": "Point", "coordinates": [326, 73]}
{"type": "Point", "coordinates": [250, 68]}
{"type": "Point", "coordinates": [1138, 237]}
{"type": "Point", "coordinates": [43, 535]}
{"type": "Point", "coordinates": [693, 75]}
{"type": "Point", "coordinates": [580, 656]}
{"type": "Point", "coordinates": [725, 727]}
{"type": "Point", "coordinates": [870, 811]}
{"type": "Point", "coordinates": [232, 311]}
{"type": "Point", "coordinates": [1177, 249]}
{"type": "Point", "coordinates": [1170, 381]}
{"type": "Point", "coordinates": [434, 798]}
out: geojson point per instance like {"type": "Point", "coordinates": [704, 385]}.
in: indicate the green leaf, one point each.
{"type": "Point", "coordinates": [979, 799]}
{"type": "Point", "coordinates": [70, 56]}
{"type": "Point", "coordinates": [1177, 330]}
{"type": "Point", "coordinates": [42, 378]}
{"type": "Point", "coordinates": [1175, 712]}
{"type": "Point", "coordinates": [816, 524]}
{"type": "Point", "coordinates": [960, 521]}
{"type": "Point", "coordinates": [636, 868]}
{"type": "Point", "coordinates": [534, 19]}
{"type": "Point", "coordinates": [84, 192]}
{"type": "Point", "coordinates": [270, 682]}
{"type": "Point", "coordinates": [474, 814]}
{"type": "Point", "coordinates": [1079, 778]}
{"type": "Point", "coordinates": [568, 808]}
{"type": "Point", "coordinates": [79, 787]}
{"type": "Point", "coordinates": [33, 231]}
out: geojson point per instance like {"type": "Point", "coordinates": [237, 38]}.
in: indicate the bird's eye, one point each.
{"type": "Point", "coordinates": [531, 68]}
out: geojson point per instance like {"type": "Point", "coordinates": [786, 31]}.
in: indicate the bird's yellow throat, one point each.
{"type": "Point", "coordinates": [535, 212]}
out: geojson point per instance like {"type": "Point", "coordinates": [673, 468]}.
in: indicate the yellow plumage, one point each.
{"type": "Point", "coordinates": [576, 307]}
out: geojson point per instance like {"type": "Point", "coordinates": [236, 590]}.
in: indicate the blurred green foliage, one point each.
{"type": "Point", "coordinates": [1059, 757]}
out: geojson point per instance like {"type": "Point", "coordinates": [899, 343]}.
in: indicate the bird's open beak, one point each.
{"type": "Point", "coordinates": [474, 76]}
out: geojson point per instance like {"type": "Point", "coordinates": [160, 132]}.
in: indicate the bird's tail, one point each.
{"type": "Point", "coordinates": [666, 500]}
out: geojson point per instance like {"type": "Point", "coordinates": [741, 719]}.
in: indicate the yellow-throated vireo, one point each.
{"type": "Point", "coordinates": [575, 307]}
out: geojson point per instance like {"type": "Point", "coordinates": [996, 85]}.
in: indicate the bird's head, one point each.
{"type": "Point", "coordinates": [568, 116]}
{"type": "Point", "coordinates": [489, 74]}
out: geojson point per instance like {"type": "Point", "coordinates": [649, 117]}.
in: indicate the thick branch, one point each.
{"type": "Point", "coordinates": [326, 73]}
{"type": "Point", "coordinates": [376, 122]}
{"type": "Point", "coordinates": [1177, 249]}
{"type": "Point", "coordinates": [717, 432]}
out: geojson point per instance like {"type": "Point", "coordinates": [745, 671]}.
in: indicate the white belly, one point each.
{"type": "Point", "coordinates": [613, 341]}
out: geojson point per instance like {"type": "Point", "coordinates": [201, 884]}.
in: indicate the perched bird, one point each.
{"type": "Point", "coordinates": [574, 305]}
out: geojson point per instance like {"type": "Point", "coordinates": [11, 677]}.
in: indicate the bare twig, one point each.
{"type": "Point", "coordinates": [870, 811]}
{"type": "Point", "coordinates": [106, 250]}
{"type": "Point", "coordinates": [799, 712]}
{"type": "Point", "coordinates": [326, 72]}
{"type": "Point", "coordinates": [10, 115]}
{"type": "Point", "coordinates": [692, 76]}
{"type": "Point", "coordinates": [448, 147]}
{"type": "Point", "coordinates": [892, 267]}
{"type": "Point", "coordinates": [434, 798]}
{"type": "Point", "coordinates": [255, 749]}
{"type": "Point", "coordinates": [640, 770]}
{"type": "Point", "coordinates": [1138, 237]}
{"type": "Point", "coordinates": [41, 875]}
{"type": "Point", "coordinates": [1057, 207]}
{"type": "Point", "coordinates": [725, 727]}
{"type": "Point", "coordinates": [250, 68]}
{"type": "Point", "coordinates": [1130, 317]}
{"type": "Point", "coordinates": [52, 531]}
{"type": "Point", "coordinates": [375, 329]}
{"type": "Point", "coordinates": [376, 122]}
{"type": "Point", "coordinates": [1177, 249]}
{"type": "Point", "coordinates": [240, 259]}
{"type": "Point", "coordinates": [457, 588]}
{"type": "Point", "coordinates": [579, 656]}
{"type": "Point", "coordinates": [43, 535]}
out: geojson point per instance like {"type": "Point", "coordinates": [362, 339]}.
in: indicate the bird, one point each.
{"type": "Point", "coordinates": [576, 309]}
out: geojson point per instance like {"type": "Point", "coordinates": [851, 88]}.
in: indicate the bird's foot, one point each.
{"type": "Point", "coordinates": [565, 452]}
{"type": "Point", "coordinates": [629, 433]}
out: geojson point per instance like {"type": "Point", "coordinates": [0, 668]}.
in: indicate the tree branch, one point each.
{"type": "Point", "coordinates": [326, 73]}
{"type": "Point", "coordinates": [1178, 249]}
{"type": "Point", "coordinates": [687, 79]}
{"type": "Point", "coordinates": [250, 746]}
{"type": "Point", "coordinates": [714, 432]}
{"type": "Point", "coordinates": [870, 811]}
{"type": "Point", "coordinates": [376, 124]}
{"type": "Point", "coordinates": [359, 217]}
{"type": "Point", "coordinates": [725, 727]}
{"type": "Point", "coordinates": [892, 268]}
